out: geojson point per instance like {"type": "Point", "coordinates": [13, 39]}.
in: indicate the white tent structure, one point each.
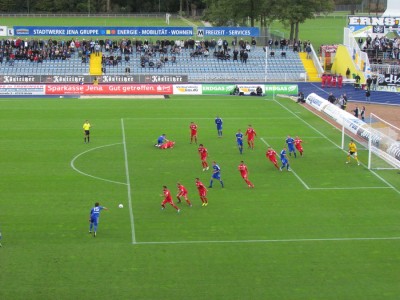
{"type": "Point", "coordinates": [393, 9]}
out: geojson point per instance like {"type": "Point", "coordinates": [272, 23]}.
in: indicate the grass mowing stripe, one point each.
{"type": "Point", "coordinates": [128, 184]}
{"type": "Point", "coordinates": [92, 176]}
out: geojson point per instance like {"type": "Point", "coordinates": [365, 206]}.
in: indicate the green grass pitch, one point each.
{"type": "Point", "coordinates": [325, 231]}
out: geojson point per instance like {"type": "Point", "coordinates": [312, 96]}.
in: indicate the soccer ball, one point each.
{"type": "Point", "coordinates": [121, 206]}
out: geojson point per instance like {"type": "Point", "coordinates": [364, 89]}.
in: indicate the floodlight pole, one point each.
{"type": "Point", "coordinates": [88, 8]}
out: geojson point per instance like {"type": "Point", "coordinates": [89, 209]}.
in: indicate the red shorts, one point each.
{"type": "Point", "coordinates": [202, 193]}
{"type": "Point", "coordinates": [250, 139]}
{"type": "Point", "coordinates": [273, 160]}
{"type": "Point", "coordinates": [244, 175]}
{"type": "Point", "coordinates": [299, 148]}
{"type": "Point", "coordinates": [193, 133]}
{"type": "Point", "coordinates": [182, 194]}
{"type": "Point", "coordinates": [203, 157]}
{"type": "Point", "coordinates": [167, 201]}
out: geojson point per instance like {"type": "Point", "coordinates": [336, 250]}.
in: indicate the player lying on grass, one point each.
{"type": "Point", "coordinates": [169, 144]}
{"type": "Point", "coordinates": [163, 143]}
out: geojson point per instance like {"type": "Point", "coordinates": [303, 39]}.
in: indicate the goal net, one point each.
{"type": "Point", "coordinates": [383, 144]}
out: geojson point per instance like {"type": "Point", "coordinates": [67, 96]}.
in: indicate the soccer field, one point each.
{"type": "Point", "coordinates": [326, 230]}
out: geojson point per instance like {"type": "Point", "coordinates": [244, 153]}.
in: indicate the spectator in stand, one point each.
{"type": "Point", "coordinates": [374, 82]}
{"type": "Point", "coordinates": [253, 43]}
{"type": "Point", "coordinates": [369, 82]}
{"type": "Point", "coordinates": [245, 57]}
{"type": "Point", "coordinates": [276, 44]}
{"type": "Point", "coordinates": [348, 73]}
{"type": "Point", "coordinates": [308, 50]}
{"type": "Point", "coordinates": [219, 44]}
{"type": "Point", "coordinates": [357, 79]}
{"type": "Point", "coordinates": [235, 54]}
{"type": "Point", "coordinates": [295, 46]}
{"type": "Point", "coordinates": [360, 42]}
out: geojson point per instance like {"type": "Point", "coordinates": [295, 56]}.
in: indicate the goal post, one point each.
{"type": "Point", "coordinates": [383, 144]}
{"type": "Point", "coordinates": [380, 138]}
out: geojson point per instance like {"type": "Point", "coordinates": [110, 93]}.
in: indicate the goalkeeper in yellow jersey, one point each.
{"type": "Point", "coordinates": [352, 152]}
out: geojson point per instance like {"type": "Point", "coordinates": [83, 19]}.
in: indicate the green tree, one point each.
{"type": "Point", "coordinates": [295, 12]}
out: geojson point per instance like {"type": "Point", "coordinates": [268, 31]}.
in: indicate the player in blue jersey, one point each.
{"type": "Point", "coordinates": [161, 140]}
{"type": "Point", "coordinates": [290, 144]}
{"type": "Point", "coordinates": [284, 160]}
{"type": "Point", "coordinates": [218, 122]}
{"type": "Point", "coordinates": [216, 175]}
{"type": "Point", "coordinates": [94, 217]}
{"type": "Point", "coordinates": [239, 141]}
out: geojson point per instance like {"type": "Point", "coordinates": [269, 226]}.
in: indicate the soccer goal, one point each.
{"type": "Point", "coordinates": [383, 144]}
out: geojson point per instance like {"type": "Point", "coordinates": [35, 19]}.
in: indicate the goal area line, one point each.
{"type": "Point", "coordinates": [308, 187]}
{"type": "Point", "coordinates": [350, 239]}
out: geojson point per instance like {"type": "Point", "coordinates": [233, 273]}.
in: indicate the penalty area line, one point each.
{"type": "Point", "coordinates": [274, 241]}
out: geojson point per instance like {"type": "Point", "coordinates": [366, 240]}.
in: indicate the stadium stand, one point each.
{"type": "Point", "coordinates": [201, 61]}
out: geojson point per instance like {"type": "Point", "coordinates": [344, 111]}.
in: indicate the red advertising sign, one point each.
{"type": "Point", "coordinates": [109, 89]}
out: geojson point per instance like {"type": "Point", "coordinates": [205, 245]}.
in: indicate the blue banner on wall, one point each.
{"type": "Point", "coordinates": [101, 31]}
{"type": "Point", "coordinates": [228, 31]}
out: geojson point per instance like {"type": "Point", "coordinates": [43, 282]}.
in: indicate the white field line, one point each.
{"type": "Point", "coordinates": [128, 184]}
{"type": "Point", "coordinates": [294, 173]}
{"type": "Point", "coordinates": [353, 188]}
{"type": "Point", "coordinates": [316, 130]}
{"type": "Point", "coordinates": [275, 241]}
{"type": "Point", "coordinates": [92, 176]}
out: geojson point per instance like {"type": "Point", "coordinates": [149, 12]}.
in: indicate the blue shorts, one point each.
{"type": "Point", "coordinates": [94, 220]}
{"type": "Point", "coordinates": [240, 143]}
{"type": "Point", "coordinates": [284, 161]}
{"type": "Point", "coordinates": [219, 127]}
{"type": "Point", "coordinates": [216, 176]}
{"type": "Point", "coordinates": [291, 149]}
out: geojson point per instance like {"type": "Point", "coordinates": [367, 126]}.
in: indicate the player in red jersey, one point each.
{"type": "Point", "coordinates": [250, 133]}
{"type": "Point", "coordinates": [203, 156]}
{"type": "Point", "coordinates": [168, 199]}
{"type": "Point", "coordinates": [271, 155]}
{"type": "Point", "coordinates": [182, 192]}
{"type": "Point", "coordinates": [299, 147]}
{"type": "Point", "coordinates": [167, 145]}
{"type": "Point", "coordinates": [193, 132]}
{"type": "Point", "coordinates": [202, 192]}
{"type": "Point", "coordinates": [244, 172]}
